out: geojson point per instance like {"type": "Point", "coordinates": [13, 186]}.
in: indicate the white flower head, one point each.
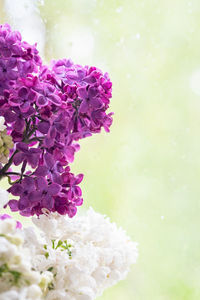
{"type": "Point", "coordinates": [18, 279]}
{"type": "Point", "coordinates": [86, 254]}
{"type": "Point", "coordinates": [73, 258]}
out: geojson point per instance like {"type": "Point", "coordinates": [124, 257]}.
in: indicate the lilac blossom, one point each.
{"type": "Point", "coordinates": [45, 192]}
{"type": "Point", "coordinates": [31, 156]}
{"type": "Point", "coordinates": [47, 110]}
{"type": "Point", "coordinates": [7, 69]}
{"type": "Point", "coordinates": [24, 99]}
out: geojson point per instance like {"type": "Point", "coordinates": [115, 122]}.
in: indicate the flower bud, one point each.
{"type": "Point", "coordinates": [6, 144]}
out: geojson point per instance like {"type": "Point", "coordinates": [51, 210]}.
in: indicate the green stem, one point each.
{"type": "Point", "coordinates": [8, 165]}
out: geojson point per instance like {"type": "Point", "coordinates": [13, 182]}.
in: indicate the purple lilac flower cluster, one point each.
{"type": "Point", "coordinates": [47, 110]}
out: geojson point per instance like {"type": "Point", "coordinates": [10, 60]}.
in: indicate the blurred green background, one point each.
{"type": "Point", "coordinates": [145, 174]}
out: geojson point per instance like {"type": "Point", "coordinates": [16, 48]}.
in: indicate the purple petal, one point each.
{"type": "Point", "coordinates": [12, 75]}
{"type": "Point", "coordinates": [84, 106]}
{"type": "Point", "coordinates": [96, 103]}
{"type": "Point", "coordinates": [69, 151]}
{"type": "Point", "coordinates": [70, 195]}
{"type": "Point", "coordinates": [107, 85]}
{"type": "Point", "coordinates": [12, 62]}
{"type": "Point", "coordinates": [26, 212]}
{"type": "Point", "coordinates": [92, 92]}
{"type": "Point", "coordinates": [79, 178]}
{"type": "Point", "coordinates": [23, 92]}
{"type": "Point", "coordinates": [72, 75]}
{"type": "Point", "coordinates": [13, 204]}
{"type": "Point", "coordinates": [10, 38]}
{"type": "Point", "coordinates": [10, 117]}
{"type": "Point", "coordinates": [43, 127]}
{"type": "Point", "coordinates": [79, 201]}
{"type": "Point", "coordinates": [18, 158]}
{"type": "Point", "coordinates": [23, 203]}
{"type": "Point", "coordinates": [71, 210]}
{"type": "Point", "coordinates": [48, 142]}
{"type": "Point", "coordinates": [41, 171]}
{"type": "Point", "coordinates": [33, 159]}
{"type": "Point", "coordinates": [77, 191]}
{"type": "Point", "coordinates": [25, 106]}
{"type": "Point", "coordinates": [16, 189]}
{"type": "Point", "coordinates": [6, 52]}
{"type": "Point", "coordinates": [56, 178]}
{"type": "Point", "coordinates": [53, 133]}
{"type": "Point", "coordinates": [90, 79]}
{"type": "Point", "coordinates": [5, 216]}
{"type": "Point", "coordinates": [31, 96]}
{"type": "Point", "coordinates": [17, 50]}
{"type": "Point", "coordinates": [82, 92]}
{"type": "Point", "coordinates": [14, 101]}
{"type": "Point", "coordinates": [49, 160]}
{"type": "Point", "coordinates": [22, 147]}
{"type": "Point", "coordinates": [48, 202]}
{"type": "Point", "coordinates": [30, 112]}
{"type": "Point", "coordinates": [35, 196]}
{"type": "Point", "coordinates": [18, 225]}
{"type": "Point", "coordinates": [55, 99]}
{"type": "Point", "coordinates": [28, 184]}
{"type": "Point", "coordinates": [41, 101]}
{"type": "Point", "coordinates": [54, 189]}
{"type": "Point", "coordinates": [42, 184]}
{"type": "Point", "coordinates": [19, 125]}
{"type": "Point", "coordinates": [35, 151]}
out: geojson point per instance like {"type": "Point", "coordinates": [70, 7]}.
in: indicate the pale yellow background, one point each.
{"type": "Point", "coordinates": [145, 174]}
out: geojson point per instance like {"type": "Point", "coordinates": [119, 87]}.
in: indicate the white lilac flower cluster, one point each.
{"type": "Point", "coordinates": [63, 258]}
{"type": "Point", "coordinates": [86, 254]}
{"type": "Point", "coordinates": [18, 279]}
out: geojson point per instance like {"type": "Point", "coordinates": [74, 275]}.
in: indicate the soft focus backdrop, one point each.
{"type": "Point", "coordinates": [145, 174]}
